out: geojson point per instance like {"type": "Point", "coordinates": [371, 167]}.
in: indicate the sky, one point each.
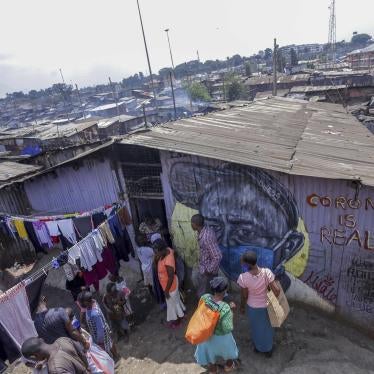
{"type": "Point", "coordinates": [91, 40]}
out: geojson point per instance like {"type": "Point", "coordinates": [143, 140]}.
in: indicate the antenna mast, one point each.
{"type": "Point", "coordinates": [332, 34]}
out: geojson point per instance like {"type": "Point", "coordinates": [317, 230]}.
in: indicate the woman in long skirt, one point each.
{"type": "Point", "coordinates": [169, 282]}
{"type": "Point", "coordinates": [222, 343]}
{"type": "Point", "coordinates": [254, 283]}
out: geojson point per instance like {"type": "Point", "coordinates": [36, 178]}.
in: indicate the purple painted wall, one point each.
{"type": "Point", "coordinates": [320, 231]}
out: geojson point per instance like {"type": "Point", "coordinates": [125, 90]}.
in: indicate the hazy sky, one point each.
{"type": "Point", "coordinates": [93, 39]}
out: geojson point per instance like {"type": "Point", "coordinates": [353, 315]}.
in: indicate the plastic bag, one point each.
{"type": "Point", "coordinates": [202, 324]}
{"type": "Point", "coordinates": [99, 361]}
{"type": "Point", "coordinates": [103, 363]}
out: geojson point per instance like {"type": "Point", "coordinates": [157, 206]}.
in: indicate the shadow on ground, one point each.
{"type": "Point", "coordinates": [308, 343]}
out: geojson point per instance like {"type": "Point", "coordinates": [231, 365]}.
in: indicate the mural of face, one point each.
{"type": "Point", "coordinates": [248, 209]}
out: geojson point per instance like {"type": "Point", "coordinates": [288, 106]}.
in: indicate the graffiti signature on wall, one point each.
{"type": "Point", "coordinates": [324, 285]}
{"type": "Point", "coordinates": [360, 285]}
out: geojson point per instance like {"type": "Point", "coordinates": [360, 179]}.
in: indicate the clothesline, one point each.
{"type": "Point", "coordinates": [57, 216]}
{"type": "Point", "coordinates": [68, 253]}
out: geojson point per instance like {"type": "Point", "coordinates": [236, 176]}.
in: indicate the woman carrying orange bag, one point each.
{"type": "Point", "coordinates": [222, 343]}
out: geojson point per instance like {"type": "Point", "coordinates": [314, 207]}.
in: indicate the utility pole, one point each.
{"type": "Point", "coordinates": [146, 52]}
{"type": "Point", "coordinates": [198, 56]}
{"type": "Point", "coordinates": [172, 92]}
{"type": "Point", "coordinates": [145, 117]}
{"type": "Point", "coordinates": [189, 83]}
{"type": "Point", "coordinates": [275, 60]}
{"type": "Point", "coordinates": [171, 54]}
{"type": "Point", "coordinates": [114, 96]}
{"type": "Point", "coordinates": [80, 100]}
{"type": "Point", "coordinates": [223, 86]}
{"type": "Point", "coordinates": [63, 97]}
{"type": "Point", "coordinates": [62, 77]}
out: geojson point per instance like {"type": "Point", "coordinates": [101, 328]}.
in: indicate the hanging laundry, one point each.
{"type": "Point", "coordinates": [115, 226]}
{"type": "Point", "coordinates": [11, 227]}
{"type": "Point", "coordinates": [33, 238]}
{"type": "Point", "coordinates": [66, 244]}
{"type": "Point", "coordinates": [94, 276]}
{"type": "Point", "coordinates": [34, 290]}
{"type": "Point", "coordinates": [67, 230]}
{"type": "Point", "coordinates": [53, 228]}
{"type": "Point", "coordinates": [8, 349]}
{"type": "Point", "coordinates": [109, 261]}
{"type": "Point", "coordinates": [83, 225]}
{"type": "Point", "coordinates": [98, 219]}
{"type": "Point", "coordinates": [106, 232]}
{"type": "Point", "coordinates": [20, 227]}
{"type": "Point", "coordinates": [70, 271]}
{"type": "Point", "coordinates": [124, 216]}
{"type": "Point", "coordinates": [87, 252]}
{"type": "Point", "coordinates": [109, 211]}
{"type": "Point", "coordinates": [15, 314]}
{"type": "Point", "coordinates": [42, 233]}
{"type": "Point", "coordinates": [4, 228]}
{"type": "Point", "coordinates": [99, 240]}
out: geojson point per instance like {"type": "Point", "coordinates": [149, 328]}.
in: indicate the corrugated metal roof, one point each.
{"type": "Point", "coordinates": [36, 172]}
{"type": "Point", "coordinates": [10, 170]}
{"type": "Point", "coordinates": [370, 48]}
{"type": "Point", "coordinates": [287, 135]}
{"type": "Point", "coordinates": [110, 121]}
{"type": "Point", "coordinates": [316, 88]}
{"type": "Point", "coordinates": [281, 78]}
{"type": "Point", "coordinates": [48, 131]}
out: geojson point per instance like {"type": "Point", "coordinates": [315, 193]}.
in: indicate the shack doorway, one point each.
{"type": "Point", "coordinates": [142, 169]}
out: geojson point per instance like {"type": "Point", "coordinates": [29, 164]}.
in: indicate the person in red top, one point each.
{"type": "Point", "coordinates": [169, 282]}
{"type": "Point", "coordinates": [210, 254]}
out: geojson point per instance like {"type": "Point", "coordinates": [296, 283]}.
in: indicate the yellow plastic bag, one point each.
{"type": "Point", "coordinates": [202, 324]}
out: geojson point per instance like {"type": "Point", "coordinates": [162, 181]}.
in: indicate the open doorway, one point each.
{"type": "Point", "coordinates": [154, 207]}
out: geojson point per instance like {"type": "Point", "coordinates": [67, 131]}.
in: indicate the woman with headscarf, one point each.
{"type": "Point", "coordinates": [222, 343]}
{"type": "Point", "coordinates": [166, 272]}
{"type": "Point", "coordinates": [254, 283]}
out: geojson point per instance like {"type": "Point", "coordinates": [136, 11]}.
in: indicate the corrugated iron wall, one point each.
{"type": "Point", "coordinates": [319, 230]}
{"type": "Point", "coordinates": [13, 200]}
{"type": "Point", "coordinates": [85, 186]}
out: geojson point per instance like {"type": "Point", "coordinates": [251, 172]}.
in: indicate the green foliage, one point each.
{"type": "Point", "coordinates": [268, 54]}
{"type": "Point", "coordinates": [198, 92]}
{"type": "Point", "coordinates": [294, 59]}
{"type": "Point", "coordinates": [281, 61]}
{"type": "Point", "coordinates": [248, 70]}
{"type": "Point", "coordinates": [360, 39]}
{"type": "Point", "coordinates": [233, 87]}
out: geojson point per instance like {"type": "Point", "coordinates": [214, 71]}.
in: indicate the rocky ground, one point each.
{"type": "Point", "coordinates": [308, 343]}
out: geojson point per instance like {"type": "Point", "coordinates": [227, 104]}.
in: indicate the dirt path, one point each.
{"type": "Point", "coordinates": [308, 343]}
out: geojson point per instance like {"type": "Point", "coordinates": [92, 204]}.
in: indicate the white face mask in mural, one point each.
{"type": "Point", "coordinates": [248, 209]}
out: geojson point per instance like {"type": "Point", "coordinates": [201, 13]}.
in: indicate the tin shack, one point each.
{"type": "Point", "coordinates": [290, 179]}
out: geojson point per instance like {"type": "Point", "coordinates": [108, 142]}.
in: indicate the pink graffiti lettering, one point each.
{"type": "Point", "coordinates": [323, 285]}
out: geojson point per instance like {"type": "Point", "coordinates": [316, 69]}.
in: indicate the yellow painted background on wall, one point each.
{"type": "Point", "coordinates": [184, 238]}
{"type": "Point", "coordinates": [297, 264]}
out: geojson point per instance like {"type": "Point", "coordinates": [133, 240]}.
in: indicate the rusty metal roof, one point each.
{"type": "Point", "coordinates": [306, 89]}
{"type": "Point", "coordinates": [10, 170]}
{"type": "Point", "coordinates": [287, 135]}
